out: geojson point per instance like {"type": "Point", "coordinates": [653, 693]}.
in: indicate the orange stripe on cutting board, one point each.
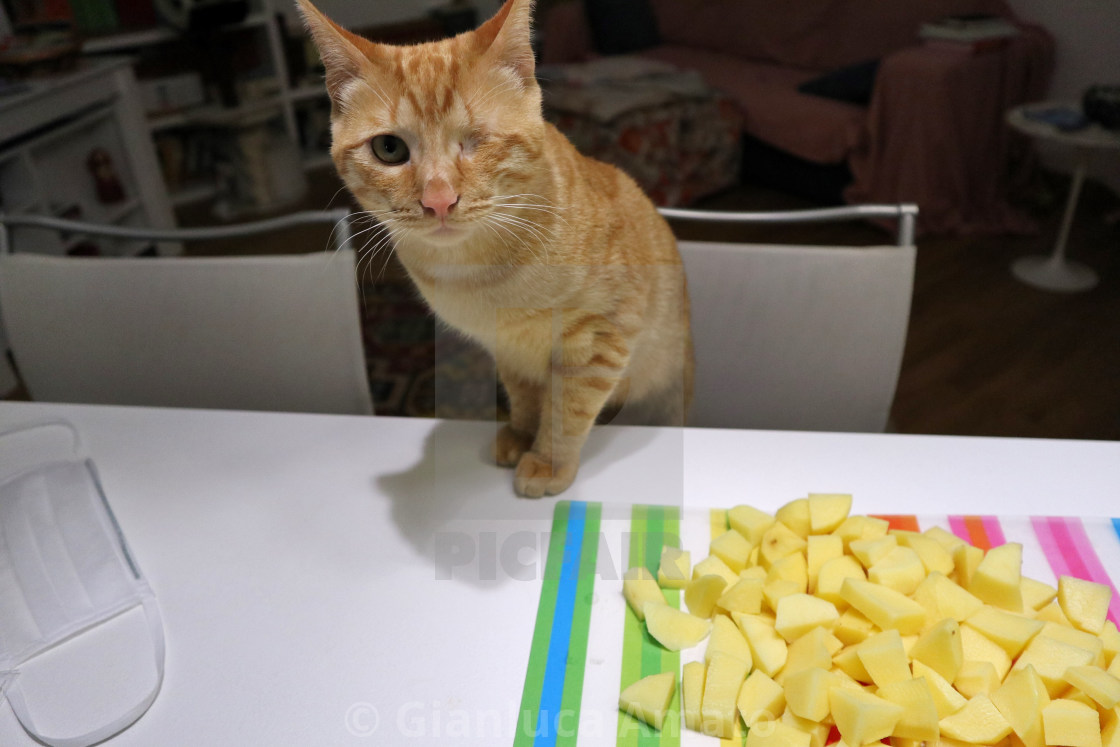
{"type": "Point", "coordinates": [903, 523]}
{"type": "Point", "coordinates": [977, 533]}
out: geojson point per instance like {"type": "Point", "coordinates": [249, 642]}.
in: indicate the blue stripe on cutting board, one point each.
{"type": "Point", "coordinates": [553, 688]}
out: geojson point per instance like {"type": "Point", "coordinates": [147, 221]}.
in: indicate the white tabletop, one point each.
{"type": "Point", "coordinates": [1092, 136]}
{"type": "Point", "coordinates": [296, 558]}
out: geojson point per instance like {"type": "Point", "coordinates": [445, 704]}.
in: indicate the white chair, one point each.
{"type": "Point", "coordinates": [246, 332]}
{"type": "Point", "coordinates": [799, 337]}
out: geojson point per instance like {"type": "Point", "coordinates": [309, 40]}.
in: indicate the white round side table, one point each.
{"type": "Point", "coordinates": [1055, 272]}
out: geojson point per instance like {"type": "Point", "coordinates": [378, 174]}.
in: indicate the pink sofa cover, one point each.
{"type": "Point", "coordinates": [933, 133]}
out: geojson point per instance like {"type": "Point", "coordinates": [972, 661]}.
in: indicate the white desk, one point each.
{"type": "Point", "coordinates": [294, 556]}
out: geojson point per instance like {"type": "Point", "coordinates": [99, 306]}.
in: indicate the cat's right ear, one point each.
{"type": "Point", "coordinates": [340, 50]}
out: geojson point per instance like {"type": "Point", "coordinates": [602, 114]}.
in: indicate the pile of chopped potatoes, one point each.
{"type": "Point", "coordinates": [818, 620]}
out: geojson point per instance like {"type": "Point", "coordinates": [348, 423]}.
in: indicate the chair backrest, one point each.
{"type": "Point", "coordinates": [252, 332]}
{"type": "Point", "coordinates": [797, 337]}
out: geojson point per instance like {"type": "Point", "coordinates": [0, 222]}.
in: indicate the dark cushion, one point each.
{"type": "Point", "coordinates": [622, 26]}
{"type": "Point", "coordinates": [852, 84]}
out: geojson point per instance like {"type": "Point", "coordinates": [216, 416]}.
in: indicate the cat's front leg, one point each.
{"type": "Point", "coordinates": [589, 369]}
{"type": "Point", "coordinates": [516, 437]}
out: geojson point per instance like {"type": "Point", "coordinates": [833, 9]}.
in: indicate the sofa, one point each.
{"type": "Point", "coordinates": [845, 84]}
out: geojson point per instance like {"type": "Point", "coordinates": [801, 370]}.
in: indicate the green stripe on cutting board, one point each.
{"type": "Point", "coordinates": [538, 653]}
{"type": "Point", "coordinates": [651, 527]}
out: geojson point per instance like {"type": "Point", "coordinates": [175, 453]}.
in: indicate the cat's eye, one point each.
{"type": "Point", "coordinates": [389, 149]}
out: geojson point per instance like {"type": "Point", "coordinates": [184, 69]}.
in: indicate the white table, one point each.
{"type": "Point", "coordinates": [295, 556]}
{"type": "Point", "coordinates": [1055, 272]}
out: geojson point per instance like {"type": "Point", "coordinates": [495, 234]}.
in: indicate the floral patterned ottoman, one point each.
{"type": "Point", "coordinates": [677, 138]}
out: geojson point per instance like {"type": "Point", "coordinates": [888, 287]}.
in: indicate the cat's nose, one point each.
{"type": "Point", "coordinates": [439, 198]}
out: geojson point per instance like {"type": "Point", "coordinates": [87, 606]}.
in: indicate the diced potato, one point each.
{"type": "Point", "coordinates": [1050, 658]}
{"type": "Point", "coordinates": [733, 549]}
{"type": "Point", "coordinates": [945, 538]}
{"type": "Point", "coordinates": [830, 578]}
{"type": "Point", "coordinates": [810, 650]}
{"type": "Point", "coordinates": [768, 650]}
{"type": "Point", "coordinates": [1074, 637]}
{"type": "Point", "coordinates": [862, 717]}
{"type": "Point", "coordinates": [900, 569]}
{"type": "Point", "coordinates": [1098, 684]}
{"type": "Point", "coordinates": [940, 648]}
{"type": "Point", "coordinates": [726, 638]}
{"type": "Point", "coordinates": [774, 591]}
{"type": "Point", "coordinates": [674, 629]}
{"type": "Point", "coordinates": [639, 587]}
{"type": "Point", "coordinates": [817, 732]}
{"type": "Point", "coordinates": [848, 662]}
{"type": "Point", "coordinates": [713, 565]}
{"type": "Point", "coordinates": [1036, 594]}
{"type": "Point", "coordinates": [885, 607]}
{"type": "Point", "coordinates": [979, 722]}
{"type": "Point", "coordinates": [744, 596]}
{"type": "Point", "coordinates": [692, 693]}
{"type": "Point", "coordinates": [870, 551]}
{"type": "Point", "coordinates": [777, 734]}
{"type": "Point", "coordinates": [976, 677]}
{"type": "Point", "coordinates": [1110, 734]}
{"type": "Point", "coordinates": [942, 598]}
{"type": "Point", "coordinates": [790, 568]}
{"type": "Point", "coordinates": [947, 700]}
{"type": "Point", "coordinates": [977, 647]}
{"type": "Point", "coordinates": [795, 515]}
{"type": "Point", "coordinates": [1020, 699]}
{"type": "Point", "coordinates": [1084, 602]}
{"type": "Point", "coordinates": [919, 714]}
{"type": "Point", "coordinates": [852, 627]}
{"type": "Point", "coordinates": [828, 511]}
{"type": "Point", "coordinates": [760, 699]}
{"type": "Point", "coordinates": [674, 572]}
{"type": "Point", "coordinates": [1071, 724]}
{"type": "Point", "coordinates": [1009, 631]}
{"type": "Point", "coordinates": [797, 614]}
{"type": "Point", "coordinates": [807, 692]}
{"type": "Point", "coordinates": [966, 559]}
{"type": "Point", "coordinates": [996, 580]}
{"type": "Point", "coordinates": [884, 658]}
{"type": "Point", "coordinates": [820, 549]}
{"type": "Point", "coordinates": [750, 522]}
{"type": "Point", "coordinates": [778, 542]}
{"type": "Point", "coordinates": [648, 699]}
{"type": "Point", "coordinates": [932, 553]}
{"type": "Point", "coordinates": [1110, 641]}
{"type": "Point", "coordinates": [1053, 613]}
{"type": "Point", "coordinates": [718, 709]}
{"type": "Point", "coordinates": [701, 594]}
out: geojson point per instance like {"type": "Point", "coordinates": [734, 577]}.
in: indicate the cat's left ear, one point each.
{"type": "Point", "coordinates": [508, 37]}
{"type": "Point", "coordinates": [340, 50]}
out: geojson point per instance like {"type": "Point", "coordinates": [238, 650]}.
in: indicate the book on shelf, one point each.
{"type": "Point", "coordinates": [969, 29]}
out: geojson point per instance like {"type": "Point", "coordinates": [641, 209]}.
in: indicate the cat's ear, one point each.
{"type": "Point", "coordinates": [508, 37]}
{"type": "Point", "coordinates": [340, 50]}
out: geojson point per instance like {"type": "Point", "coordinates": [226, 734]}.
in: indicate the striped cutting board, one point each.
{"type": "Point", "coordinates": [588, 645]}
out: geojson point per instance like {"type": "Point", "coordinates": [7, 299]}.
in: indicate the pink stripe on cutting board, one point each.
{"type": "Point", "coordinates": [1069, 552]}
{"type": "Point", "coordinates": [994, 531]}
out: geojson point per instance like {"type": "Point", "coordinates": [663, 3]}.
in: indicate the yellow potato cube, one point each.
{"type": "Point", "coordinates": [862, 717]}
{"type": "Point", "coordinates": [966, 559]}
{"type": "Point", "coordinates": [750, 522]}
{"type": "Point", "coordinates": [900, 569]}
{"type": "Point", "coordinates": [885, 607]}
{"type": "Point", "coordinates": [726, 638]}
{"type": "Point", "coordinates": [639, 587]}
{"type": "Point", "coordinates": [947, 700]}
{"type": "Point", "coordinates": [760, 699]}
{"type": "Point", "coordinates": [1020, 699]}
{"type": "Point", "coordinates": [790, 568]}
{"type": "Point", "coordinates": [1053, 613]}
{"type": "Point", "coordinates": [979, 722]}
{"type": "Point", "coordinates": [1110, 734]}
{"type": "Point", "coordinates": [1037, 594]}
{"type": "Point", "coordinates": [945, 538]}
{"type": "Point", "coordinates": [732, 548]}
{"type": "Point", "coordinates": [1009, 631]}
{"type": "Point", "coordinates": [810, 650]}
{"type": "Point", "coordinates": [1098, 684]}
{"type": "Point", "coordinates": [807, 692]}
{"type": "Point", "coordinates": [774, 591]}
{"type": "Point", "coordinates": [648, 699]}
{"type": "Point", "coordinates": [932, 553]}
{"type": "Point", "coordinates": [672, 628]}
{"type": "Point", "coordinates": [831, 577]}
{"type": "Point", "coordinates": [919, 714]}
{"type": "Point", "coordinates": [718, 709]}
{"type": "Point", "coordinates": [820, 549]}
{"type": "Point", "coordinates": [870, 551]}
{"type": "Point", "coordinates": [675, 567]}
{"type": "Point", "coordinates": [942, 598]}
{"type": "Point", "coordinates": [884, 658]}
{"type": "Point", "coordinates": [1071, 724]}
{"type": "Point", "coordinates": [701, 594]}
{"type": "Point", "coordinates": [795, 515]}
{"type": "Point", "coordinates": [828, 511]}
{"type": "Point", "coordinates": [777, 734]}
{"type": "Point", "coordinates": [744, 596]}
{"type": "Point", "coordinates": [778, 542]}
{"type": "Point", "coordinates": [976, 677]}
{"type": "Point", "coordinates": [817, 732]}
{"type": "Point", "coordinates": [996, 580]}
{"type": "Point", "coordinates": [797, 614]}
{"type": "Point", "coordinates": [713, 565]}
{"type": "Point", "coordinates": [768, 650]}
{"type": "Point", "coordinates": [940, 648]}
{"type": "Point", "coordinates": [852, 627]}
{"type": "Point", "coordinates": [976, 647]}
{"type": "Point", "coordinates": [848, 662]}
{"type": "Point", "coordinates": [1074, 637]}
{"type": "Point", "coordinates": [1051, 658]}
{"type": "Point", "coordinates": [1110, 641]}
{"type": "Point", "coordinates": [1085, 603]}
{"type": "Point", "coordinates": [692, 693]}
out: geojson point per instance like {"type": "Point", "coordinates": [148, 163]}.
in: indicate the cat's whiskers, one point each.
{"type": "Point", "coordinates": [521, 239]}
{"type": "Point", "coordinates": [499, 87]}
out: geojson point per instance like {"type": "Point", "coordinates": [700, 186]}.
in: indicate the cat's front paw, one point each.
{"type": "Point", "coordinates": [536, 476]}
{"type": "Point", "coordinates": [510, 445]}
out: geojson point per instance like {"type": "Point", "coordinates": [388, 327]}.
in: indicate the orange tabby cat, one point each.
{"type": "Point", "coordinates": [558, 264]}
